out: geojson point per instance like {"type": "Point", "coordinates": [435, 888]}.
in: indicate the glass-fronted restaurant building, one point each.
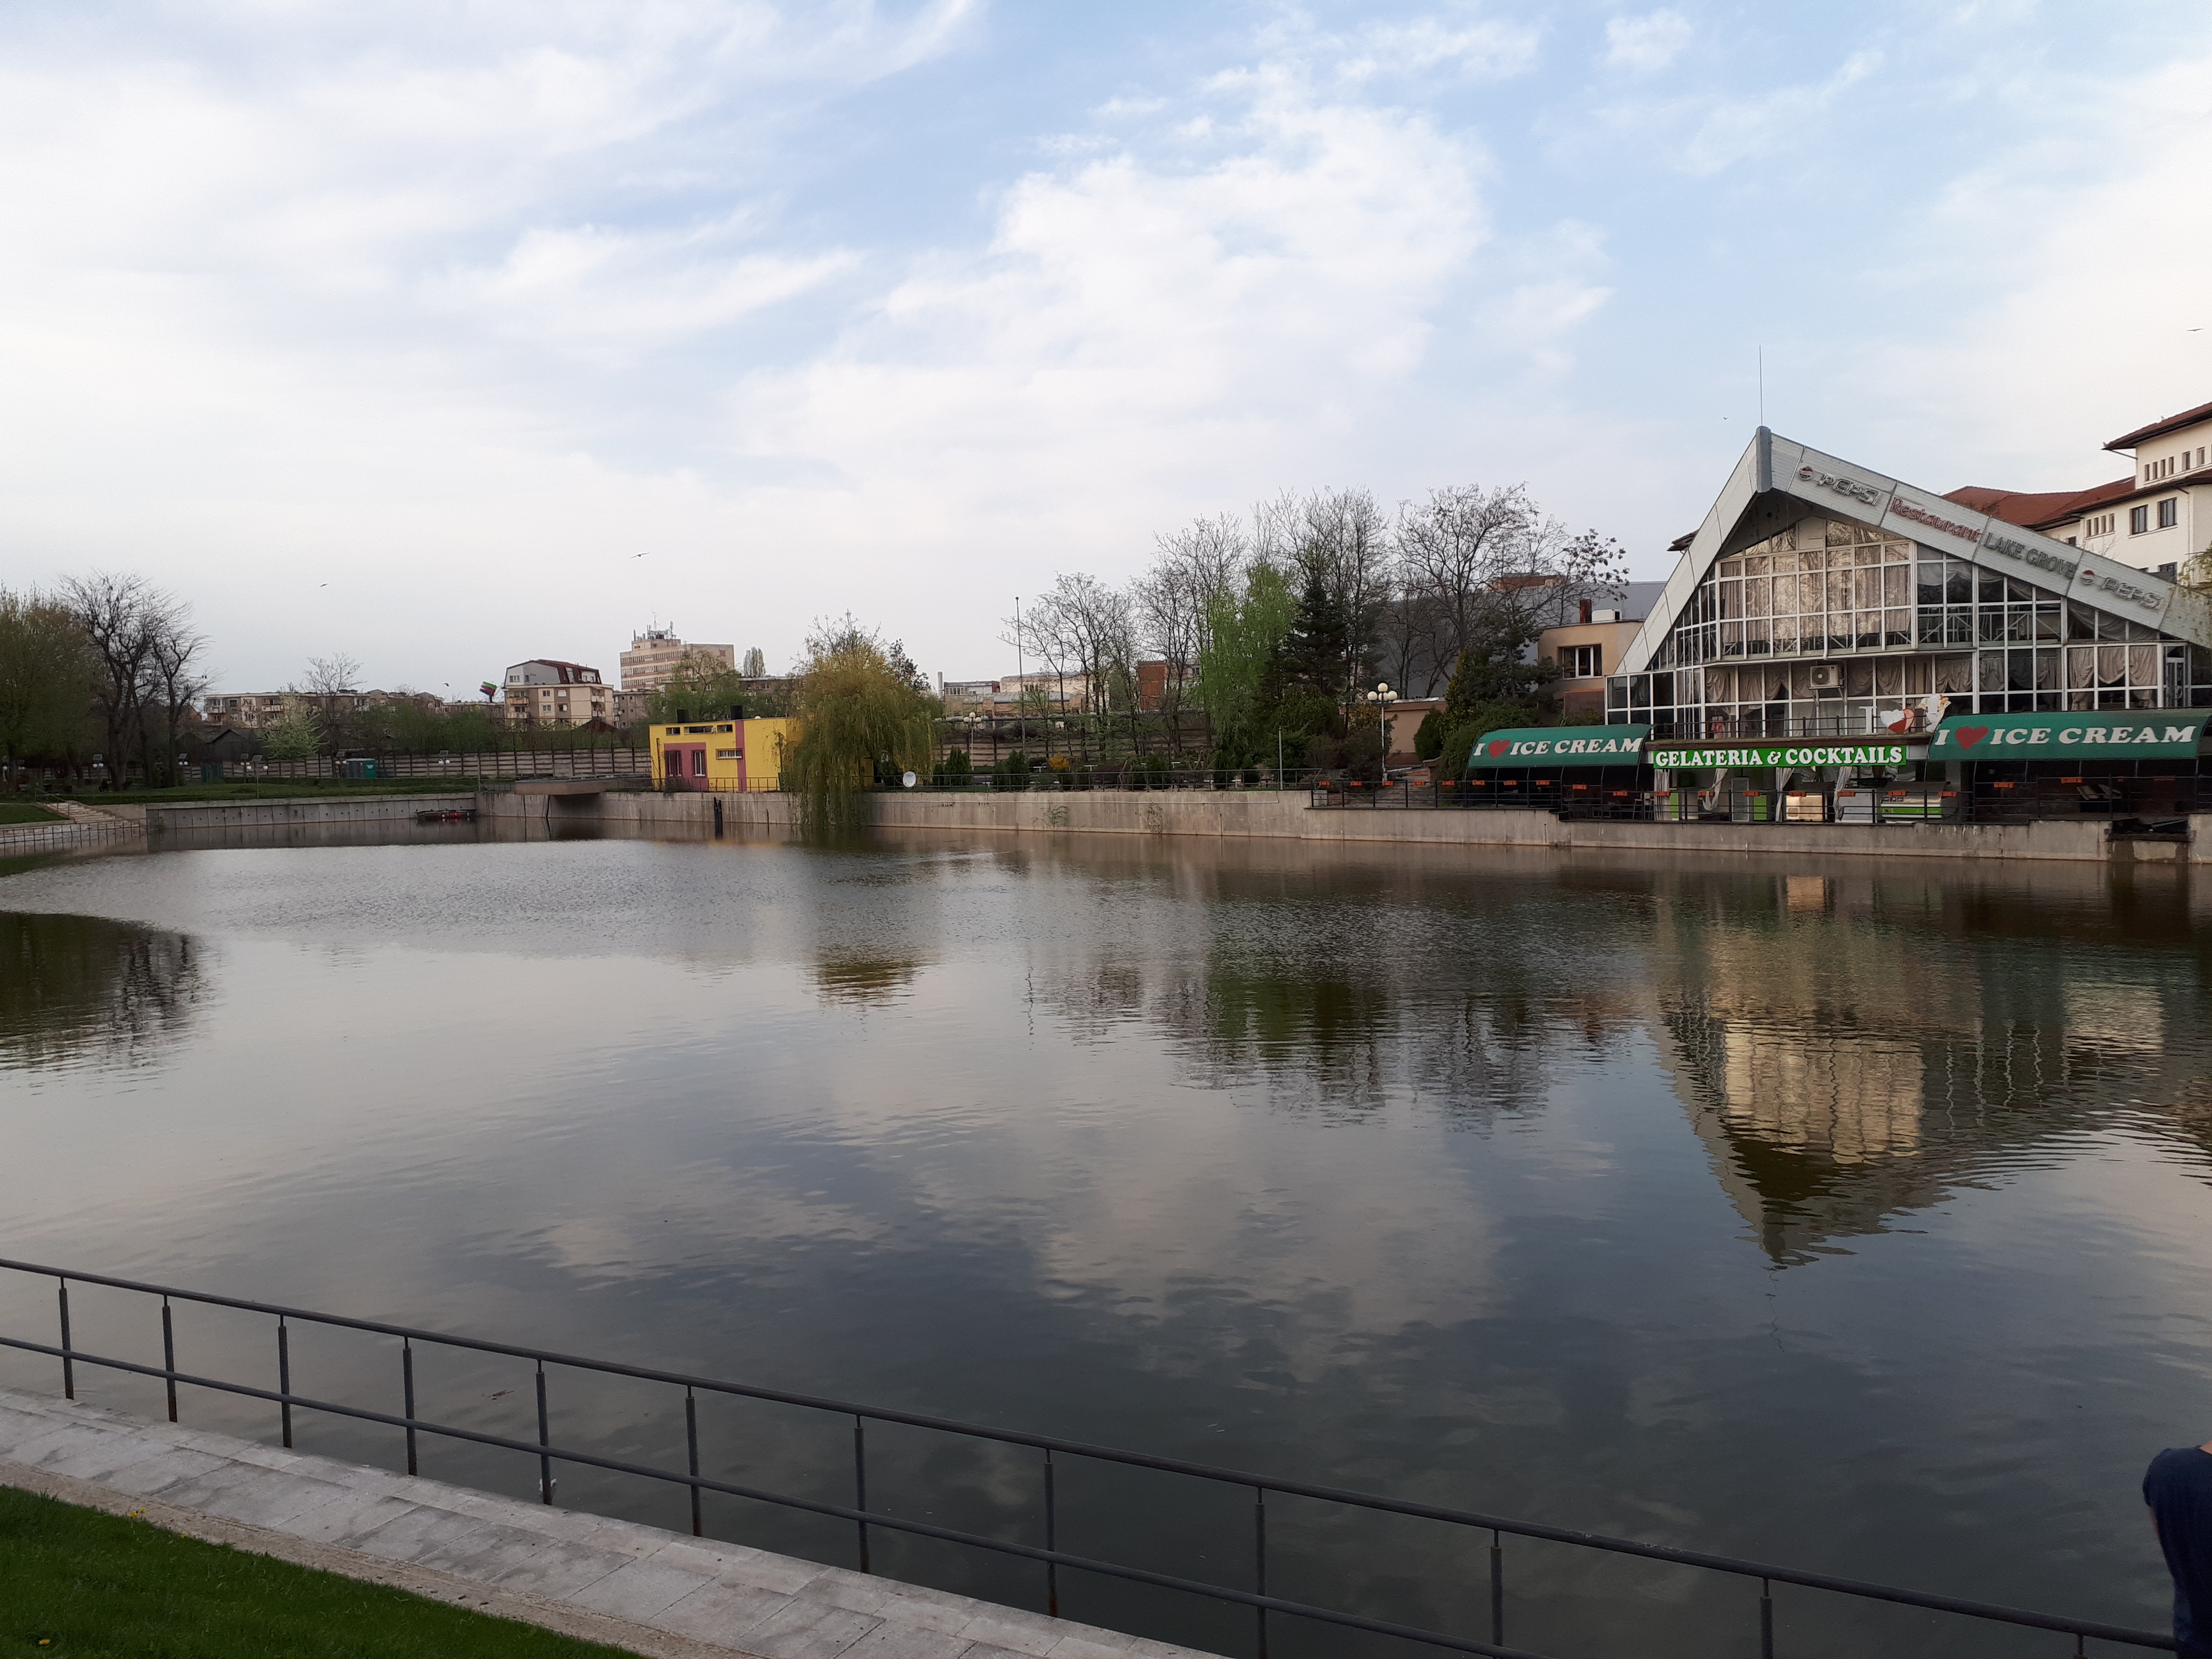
{"type": "Point", "coordinates": [1830, 628]}
{"type": "Point", "coordinates": [1820, 597]}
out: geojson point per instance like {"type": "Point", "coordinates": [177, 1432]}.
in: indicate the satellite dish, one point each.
{"type": "Point", "coordinates": [909, 780]}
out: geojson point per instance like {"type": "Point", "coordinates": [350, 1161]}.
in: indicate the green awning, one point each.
{"type": "Point", "coordinates": [1561, 745]}
{"type": "Point", "coordinates": [2114, 734]}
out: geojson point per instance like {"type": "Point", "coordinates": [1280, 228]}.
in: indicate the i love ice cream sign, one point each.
{"type": "Point", "coordinates": [1561, 745]}
{"type": "Point", "coordinates": [2167, 734]}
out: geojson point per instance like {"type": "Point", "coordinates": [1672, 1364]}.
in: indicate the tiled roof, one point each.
{"type": "Point", "coordinates": [2144, 433]}
{"type": "Point", "coordinates": [2032, 509]}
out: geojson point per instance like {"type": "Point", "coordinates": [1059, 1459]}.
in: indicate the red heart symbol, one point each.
{"type": "Point", "coordinates": [1497, 749]}
{"type": "Point", "coordinates": [1970, 735]}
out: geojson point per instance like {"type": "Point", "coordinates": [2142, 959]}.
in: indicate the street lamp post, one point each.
{"type": "Point", "coordinates": [1380, 700]}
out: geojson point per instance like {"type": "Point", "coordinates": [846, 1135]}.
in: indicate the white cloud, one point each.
{"type": "Point", "coordinates": [2079, 280]}
{"type": "Point", "coordinates": [1486, 50]}
{"type": "Point", "coordinates": [1646, 45]}
{"type": "Point", "coordinates": [1709, 133]}
{"type": "Point", "coordinates": [617, 293]}
{"type": "Point", "coordinates": [1139, 335]}
{"type": "Point", "coordinates": [477, 319]}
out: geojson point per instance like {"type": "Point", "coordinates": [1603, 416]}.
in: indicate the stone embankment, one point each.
{"type": "Point", "coordinates": [1288, 815]}
{"type": "Point", "coordinates": [629, 1586]}
{"type": "Point", "coordinates": [277, 814]}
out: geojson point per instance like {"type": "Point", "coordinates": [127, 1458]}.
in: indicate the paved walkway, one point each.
{"type": "Point", "coordinates": [633, 1586]}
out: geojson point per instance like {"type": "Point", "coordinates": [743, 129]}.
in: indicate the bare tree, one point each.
{"type": "Point", "coordinates": [333, 675]}
{"type": "Point", "coordinates": [1498, 572]}
{"type": "Point", "coordinates": [1409, 638]}
{"type": "Point", "coordinates": [1084, 626]}
{"type": "Point", "coordinates": [1459, 543]}
{"type": "Point", "coordinates": [122, 616]}
{"type": "Point", "coordinates": [174, 680]}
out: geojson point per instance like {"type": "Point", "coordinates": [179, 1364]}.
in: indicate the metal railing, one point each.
{"type": "Point", "coordinates": [18, 840]}
{"type": "Point", "coordinates": [1047, 1554]}
{"type": "Point", "coordinates": [2156, 803]}
{"type": "Point", "coordinates": [1045, 779]}
{"type": "Point", "coordinates": [1863, 721]}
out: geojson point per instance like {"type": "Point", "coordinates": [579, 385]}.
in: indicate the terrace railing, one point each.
{"type": "Point", "coordinates": [1053, 1455]}
{"type": "Point", "coordinates": [2142, 804]}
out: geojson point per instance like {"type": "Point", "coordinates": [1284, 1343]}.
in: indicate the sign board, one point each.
{"type": "Point", "coordinates": [1690, 756]}
{"type": "Point", "coordinates": [2152, 734]}
{"type": "Point", "coordinates": [2059, 567]}
{"type": "Point", "coordinates": [1561, 745]}
{"type": "Point", "coordinates": [2122, 590]}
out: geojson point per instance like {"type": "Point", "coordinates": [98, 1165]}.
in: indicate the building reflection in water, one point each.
{"type": "Point", "coordinates": [83, 990]}
{"type": "Point", "coordinates": [1851, 1046]}
{"type": "Point", "coordinates": [1858, 1047]}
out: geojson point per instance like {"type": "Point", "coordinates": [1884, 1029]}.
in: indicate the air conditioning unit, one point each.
{"type": "Point", "coordinates": [1827, 677]}
{"type": "Point", "coordinates": [1605, 615]}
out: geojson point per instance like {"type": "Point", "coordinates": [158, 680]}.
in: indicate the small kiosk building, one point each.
{"type": "Point", "coordinates": [729, 756]}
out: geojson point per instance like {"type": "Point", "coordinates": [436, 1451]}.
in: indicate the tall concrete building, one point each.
{"type": "Point", "coordinates": [654, 656]}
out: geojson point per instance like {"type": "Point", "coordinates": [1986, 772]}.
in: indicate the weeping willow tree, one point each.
{"type": "Point", "coordinates": [862, 710]}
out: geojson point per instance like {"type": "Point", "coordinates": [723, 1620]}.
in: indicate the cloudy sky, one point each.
{"type": "Point", "coordinates": [405, 331]}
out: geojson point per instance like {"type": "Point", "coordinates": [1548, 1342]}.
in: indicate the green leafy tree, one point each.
{"type": "Point", "coordinates": [862, 712]}
{"type": "Point", "coordinates": [701, 686]}
{"type": "Point", "coordinates": [1241, 665]}
{"type": "Point", "coordinates": [47, 670]}
{"type": "Point", "coordinates": [297, 734]}
{"type": "Point", "coordinates": [415, 728]}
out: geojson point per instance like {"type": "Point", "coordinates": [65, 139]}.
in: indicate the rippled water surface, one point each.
{"type": "Point", "coordinates": [1852, 1216]}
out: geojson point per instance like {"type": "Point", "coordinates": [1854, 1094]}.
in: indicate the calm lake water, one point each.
{"type": "Point", "coordinates": [1849, 1215]}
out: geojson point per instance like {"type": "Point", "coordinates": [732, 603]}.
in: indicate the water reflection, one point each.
{"type": "Point", "coordinates": [1854, 1053]}
{"type": "Point", "coordinates": [864, 980]}
{"type": "Point", "coordinates": [79, 988]}
{"type": "Point", "coordinates": [1595, 1189]}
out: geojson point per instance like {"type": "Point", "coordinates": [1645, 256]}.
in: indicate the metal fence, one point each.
{"type": "Point", "coordinates": [22, 840]}
{"type": "Point", "coordinates": [580, 762]}
{"type": "Point", "coordinates": [2147, 804]}
{"type": "Point", "coordinates": [1053, 1455]}
{"type": "Point", "coordinates": [1247, 778]}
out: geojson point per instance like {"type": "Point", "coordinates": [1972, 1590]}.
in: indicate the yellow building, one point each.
{"type": "Point", "coordinates": [730, 755]}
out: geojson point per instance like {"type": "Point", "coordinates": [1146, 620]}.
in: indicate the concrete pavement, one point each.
{"type": "Point", "coordinates": [616, 1582]}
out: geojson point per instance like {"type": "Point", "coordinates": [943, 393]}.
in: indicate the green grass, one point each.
{"type": "Point", "coordinates": [78, 1582]}
{"type": "Point", "coordinates": [22, 812]}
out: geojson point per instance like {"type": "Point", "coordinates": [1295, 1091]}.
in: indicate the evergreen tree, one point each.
{"type": "Point", "coordinates": [1314, 654]}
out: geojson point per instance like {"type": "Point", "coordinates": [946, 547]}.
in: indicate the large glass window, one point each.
{"type": "Point", "coordinates": [1747, 653]}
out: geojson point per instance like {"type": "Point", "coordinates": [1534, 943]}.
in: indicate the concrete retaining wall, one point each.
{"type": "Point", "coordinates": [1232, 813]}
{"type": "Point", "coordinates": [277, 814]}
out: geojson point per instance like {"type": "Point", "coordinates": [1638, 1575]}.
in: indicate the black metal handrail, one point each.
{"type": "Point", "coordinates": [863, 1517]}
